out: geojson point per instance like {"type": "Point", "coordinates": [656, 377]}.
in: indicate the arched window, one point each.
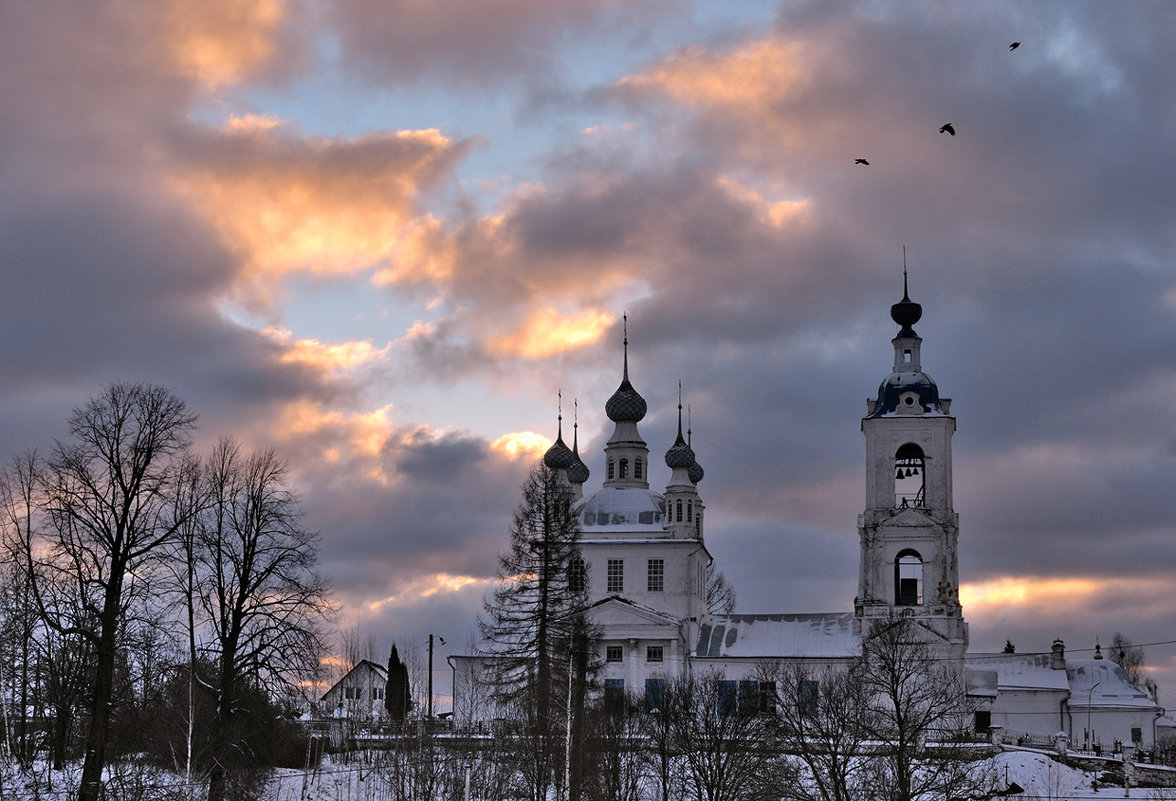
{"type": "Point", "coordinates": [908, 578]}
{"type": "Point", "coordinates": [637, 468]}
{"type": "Point", "coordinates": [689, 511]}
{"type": "Point", "coordinates": [910, 474]}
{"type": "Point", "coordinates": [624, 468]}
{"type": "Point", "coordinates": [610, 469]}
{"type": "Point", "coordinates": [679, 510]}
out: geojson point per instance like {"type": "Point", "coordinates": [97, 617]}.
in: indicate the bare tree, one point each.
{"type": "Point", "coordinates": [728, 750]}
{"type": "Point", "coordinates": [1129, 656]}
{"type": "Point", "coordinates": [917, 696]}
{"type": "Point", "coordinates": [720, 593]}
{"type": "Point", "coordinates": [260, 597]}
{"type": "Point", "coordinates": [823, 718]}
{"type": "Point", "coordinates": [107, 497]}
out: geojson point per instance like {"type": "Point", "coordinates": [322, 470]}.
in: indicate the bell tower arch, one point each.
{"type": "Point", "coordinates": [909, 530]}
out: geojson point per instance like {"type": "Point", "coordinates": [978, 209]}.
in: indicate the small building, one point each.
{"type": "Point", "coordinates": [358, 697]}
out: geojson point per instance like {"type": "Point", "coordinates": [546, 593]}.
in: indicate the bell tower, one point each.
{"type": "Point", "coordinates": [909, 529]}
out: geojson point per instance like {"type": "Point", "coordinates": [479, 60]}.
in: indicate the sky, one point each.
{"type": "Point", "coordinates": [383, 238]}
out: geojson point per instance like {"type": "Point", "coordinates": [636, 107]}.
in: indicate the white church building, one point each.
{"type": "Point", "coordinates": [645, 561]}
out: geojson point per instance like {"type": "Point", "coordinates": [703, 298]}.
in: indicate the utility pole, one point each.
{"type": "Point", "coordinates": [442, 641]}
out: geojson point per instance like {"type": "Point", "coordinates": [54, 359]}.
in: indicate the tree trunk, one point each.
{"type": "Point", "coordinates": [90, 788]}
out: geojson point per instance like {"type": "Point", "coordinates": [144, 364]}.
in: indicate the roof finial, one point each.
{"type": "Point", "coordinates": [689, 431]}
{"type": "Point", "coordinates": [575, 425]}
{"type": "Point", "coordinates": [625, 318]}
{"type": "Point", "coordinates": [679, 409]}
{"type": "Point", "coordinates": [905, 296]}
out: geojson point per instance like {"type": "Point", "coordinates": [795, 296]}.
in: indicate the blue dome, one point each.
{"type": "Point", "coordinates": [559, 456]}
{"type": "Point", "coordinates": [625, 404]}
{"type": "Point", "coordinates": [897, 385]}
{"type": "Point", "coordinates": [578, 471]}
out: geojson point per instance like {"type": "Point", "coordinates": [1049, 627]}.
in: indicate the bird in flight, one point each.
{"type": "Point", "coordinates": [861, 161]}
{"type": "Point", "coordinates": [1014, 45]}
{"type": "Point", "coordinates": [948, 128]}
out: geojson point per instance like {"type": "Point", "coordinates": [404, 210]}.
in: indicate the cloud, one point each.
{"type": "Point", "coordinates": [289, 204]}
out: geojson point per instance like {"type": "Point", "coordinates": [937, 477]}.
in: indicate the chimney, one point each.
{"type": "Point", "coordinates": [1057, 657]}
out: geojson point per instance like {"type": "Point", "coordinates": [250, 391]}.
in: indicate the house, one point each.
{"type": "Point", "coordinates": [358, 697]}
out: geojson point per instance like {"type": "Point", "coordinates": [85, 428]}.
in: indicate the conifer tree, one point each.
{"type": "Point", "coordinates": [397, 697]}
{"type": "Point", "coordinates": [536, 612]}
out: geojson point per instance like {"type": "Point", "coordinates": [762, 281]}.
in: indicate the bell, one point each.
{"type": "Point", "coordinates": [914, 471]}
{"type": "Point", "coordinates": [898, 475]}
{"type": "Point", "coordinates": [908, 472]}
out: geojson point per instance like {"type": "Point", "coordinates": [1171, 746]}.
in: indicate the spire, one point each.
{"type": "Point", "coordinates": [558, 457]}
{"type": "Point", "coordinates": [680, 454]}
{"type": "Point", "coordinates": [578, 471]}
{"type": "Point", "coordinates": [906, 312]}
{"type": "Point", "coordinates": [695, 472]}
{"type": "Point", "coordinates": [626, 404]}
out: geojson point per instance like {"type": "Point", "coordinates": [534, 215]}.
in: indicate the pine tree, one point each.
{"type": "Point", "coordinates": [398, 696]}
{"type": "Point", "coordinates": [536, 612]}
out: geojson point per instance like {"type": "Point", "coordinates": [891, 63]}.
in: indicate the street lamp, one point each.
{"type": "Point", "coordinates": [1089, 696]}
{"type": "Point", "coordinates": [441, 640]}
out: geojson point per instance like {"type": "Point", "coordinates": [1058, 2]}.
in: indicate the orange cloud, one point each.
{"type": "Point", "coordinates": [290, 204]}
{"type": "Point", "coordinates": [749, 78]}
{"type": "Point", "coordinates": [522, 445]}
{"type": "Point", "coordinates": [546, 332]}
{"type": "Point", "coordinates": [772, 213]}
{"type": "Point", "coordinates": [220, 43]}
{"type": "Point", "coordinates": [340, 357]}
{"type": "Point", "coordinates": [426, 587]}
{"type": "Point", "coordinates": [1052, 595]}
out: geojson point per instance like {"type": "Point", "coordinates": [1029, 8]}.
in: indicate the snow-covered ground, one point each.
{"type": "Point", "coordinates": [1042, 779]}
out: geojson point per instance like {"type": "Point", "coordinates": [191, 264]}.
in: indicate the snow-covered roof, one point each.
{"type": "Point", "coordinates": [1103, 683]}
{"type": "Point", "coordinates": [622, 509]}
{"type": "Point", "coordinates": [828, 635]}
{"type": "Point", "coordinates": [1020, 671]}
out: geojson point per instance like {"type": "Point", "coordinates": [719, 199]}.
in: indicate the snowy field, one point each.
{"type": "Point", "coordinates": [1041, 778]}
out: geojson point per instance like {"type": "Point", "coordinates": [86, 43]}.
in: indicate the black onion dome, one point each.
{"type": "Point", "coordinates": [680, 455]}
{"type": "Point", "coordinates": [578, 471]}
{"type": "Point", "coordinates": [559, 456]}
{"type": "Point", "coordinates": [695, 472]}
{"type": "Point", "coordinates": [897, 385]}
{"type": "Point", "coordinates": [625, 404]}
{"type": "Point", "coordinates": [906, 312]}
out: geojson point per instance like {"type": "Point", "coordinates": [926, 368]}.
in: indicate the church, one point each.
{"type": "Point", "coordinates": [644, 567]}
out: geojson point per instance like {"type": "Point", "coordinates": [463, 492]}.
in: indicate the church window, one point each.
{"type": "Point", "coordinates": [983, 721]}
{"type": "Point", "coordinates": [610, 469]}
{"type": "Point", "coordinates": [637, 468]}
{"type": "Point", "coordinates": [614, 653]}
{"type": "Point", "coordinates": [679, 510]}
{"type": "Point", "coordinates": [624, 469]}
{"type": "Point", "coordinates": [748, 697]}
{"type": "Point", "coordinates": [727, 698]}
{"type": "Point", "coordinates": [656, 575]}
{"type": "Point", "coordinates": [767, 697]}
{"type": "Point", "coordinates": [806, 697]}
{"type": "Point", "coordinates": [910, 474]}
{"type": "Point", "coordinates": [908, 579]}
{"type": "Point", "coordinates": [654, 653]}
{"type": "Point", "coordinates": [906, 356]}
{"type": "Point", "coordinates": [577, 576]}
{"type": "Point", "coordinates": [689, 511]}
{"type": "Point", "coordinates": [614, 696]}
{"type": "Point", "coordinates": [616, 575]}
{"type": "Point", "coordinates": [655, 695]}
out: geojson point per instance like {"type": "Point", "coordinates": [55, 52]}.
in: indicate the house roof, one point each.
{"type": "Point", "coordinates": [1102, 683]}
{"type": "Point", "coordinates": [1020, 671]}
{"type": "Point", "coordinates": [363, 666]}
{"type": "Point", "coordinates": [828, 635]}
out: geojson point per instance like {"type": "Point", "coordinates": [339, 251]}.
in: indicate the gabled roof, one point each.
{"type": "Point", "coordinates": [362, 666]}
{"type": "Point", "coordinates": [822, 635]}
{"type": "Point", "coordinates": [620, 613]}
